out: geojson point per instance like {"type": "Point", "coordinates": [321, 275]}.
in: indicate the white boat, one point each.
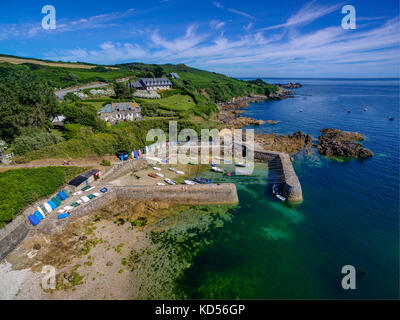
{"type": "Point", "coordinates": [85, 199]}
{"type": "Point", "coordinates": [169, 181]}
{"type": "Point", "coordinates": [77, 193]}
{"type": "Point", "coordinates": [190, 182]}
{"type": "Point", "coordinates": [274, 189]}
{"type": "Point", "coordinates": [216, 169]}
{"type": "Point", "coordinates": [172, 169]}
{"type": "Point", "coordinates": [66, 208]}
{"type": "Point", "coordinates": [280, 197]}
{"type": "Point", "coordinates": [180, 172]}
{"type": "Point", "coordinates": [96, 194]}
{"type": "Point", "coordinates": [159, 175]}
{"type": "Point", "coordinates": [157, 168]}
{"type": "Point", "coordinates": [160, 184]}
{"type": "Point", "coordinates": [240, 164]}
{"type": "Point", "coordinates": [91, 188]}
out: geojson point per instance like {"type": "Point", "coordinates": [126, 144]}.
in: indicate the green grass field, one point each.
{"type": "Point", "coordinates": [21, 187]}
{"type": "Point", "coordinates": [176, 102]}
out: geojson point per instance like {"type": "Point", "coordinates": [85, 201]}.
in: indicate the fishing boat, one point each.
{"type": "Point", "coordinates": [152, 175]}
{"type": "Point", "coordinates": [169, 181]}
{"type": "Point", "coordinates": [216, 169]}
{"type": "Point", "coordinates": [159, 175]}
{"type": "Point", "coordinates": [202, 180]}
{"type": "Point", "coordinates": [157, 168]}
{"type": "Point", "coordinates": [189, 182]}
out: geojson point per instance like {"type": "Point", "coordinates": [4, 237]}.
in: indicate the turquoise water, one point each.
{"type": "Point", "coordinates": [271, 250]}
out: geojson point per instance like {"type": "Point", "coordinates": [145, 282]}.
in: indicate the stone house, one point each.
{"type": "Point", "coordinates": [121, 111]}
{"type": "Point", "coordinates": [152, 84]}
{"type": "Point", "coordinates": [174, 75]}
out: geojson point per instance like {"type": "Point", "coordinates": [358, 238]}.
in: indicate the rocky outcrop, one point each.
{"type": "Point", "coordinates": [337, 143]}
{"type": "Point", "coordinates": [229, 112]}
{"type": "Point", "coordinates": [289, 85]}
{"type": "Point", "coordinates": [291, 143]}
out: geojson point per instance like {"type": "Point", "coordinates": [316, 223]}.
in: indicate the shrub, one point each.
{"type": "Point", "coordinates": [34, 140]}
{"type": "Point", "coordinates": [105, 163]}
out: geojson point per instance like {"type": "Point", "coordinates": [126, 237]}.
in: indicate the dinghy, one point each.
{"type": "Point", "coordinates": [169, 181]}
{"type": "Point", "coordinates": [189, 182]}
{"type": "Point", "coordinates": [157, 168]}
{"type": "Point", "coordinates": [159, 175]}
{"type": "Point", "coordinates": [202, 180]}
{"type": "Point", "coordinates": [216, 169]}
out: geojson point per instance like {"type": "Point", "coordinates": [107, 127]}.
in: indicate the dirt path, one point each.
{"type": "Point", "coordinates": [81, 162]}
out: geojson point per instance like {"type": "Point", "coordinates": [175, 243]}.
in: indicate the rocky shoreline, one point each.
{"type": "Point", "coordinates": [332, 142]}
{"type": "Point", "coordinates": [230, 112]}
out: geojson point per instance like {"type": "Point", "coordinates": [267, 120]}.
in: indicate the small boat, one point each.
{"type": "Point", "coordinates": [159, 175]}
{"type": "Point", "coordinates": [172, 169]}
{"type": "Point", "coordinates": [169, 181]}
{"type": "Point", "coordinates": [301, 110]}
{"type": "Point", "coordinates": [190, 182]}
{"type": "Point", "coordinates": [274, 189]}
{"type": "Point", "coordinates": [280, 197]}
{"type": "Point", "coordinates": [240, 164]}
{"type": "Point", "coordinates": [348, 111]}
{"type": "Point", "coordinates": [103, 190]}
{"type": "Point", "coordinates": [202, 180]}
{"type": "Point", "coordinates": [213, 165]}
{"type": "Point", "coordinates": [191, 163]}
{"type": "Point", "coordinates": [157, 168]}
{"type": "Point", "coordinates": [152, 175]}
{"type": "Point", "coordinates": [365, 109]}
{"type": "Point", "coordinates": [228, 174]}
{"type": "Point", "coordinates": [160, 184]}
{"type": "Point", "coordinates": [180, 172]}
{"type": "Point", "coordinates": [216, 169]}
{"type": "Point", "coordinates": [85, 199]}
{"type": "Point", "coordinates": [391, 118]}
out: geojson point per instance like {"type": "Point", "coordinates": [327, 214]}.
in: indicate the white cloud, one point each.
{"type": "Point", "coordinates": [307, 14]}
{"type": "Point", "coordinates": [241, 13]}
{"type": "Point", "coordinates": [218, 4]}
{"type": "Point", "coordinates": [215, 24]}
{"type": "Point", "coordinates": [29, 30]}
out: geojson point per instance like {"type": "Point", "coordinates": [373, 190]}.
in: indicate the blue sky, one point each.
{"type": "Point", "coordinates": [287, 38]}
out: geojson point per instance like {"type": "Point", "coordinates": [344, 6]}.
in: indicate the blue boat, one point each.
{"type": "Point", "coordinates": [202, 180]}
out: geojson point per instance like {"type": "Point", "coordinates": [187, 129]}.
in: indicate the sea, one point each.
{"type": "Point", "coordinates": [349, 217]}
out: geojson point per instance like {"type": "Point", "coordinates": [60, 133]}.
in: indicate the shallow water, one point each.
{"type": "Point", "coordinates": [272, 250]}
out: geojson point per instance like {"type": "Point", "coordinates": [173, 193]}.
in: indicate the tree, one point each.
{"type": "Point", "coordinates": [122, 91]}
{"type": "Point", "coordinates": [158, 72]}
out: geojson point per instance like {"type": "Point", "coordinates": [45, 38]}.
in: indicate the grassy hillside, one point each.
{"type": "Point", "coordinates": [19, 188]}
{"type": "Point", "coordinates": [28, 102]}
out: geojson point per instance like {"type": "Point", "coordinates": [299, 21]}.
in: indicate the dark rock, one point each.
{"type": "Point", "coordinates": [336, 143]}
{"type": "Point", "coordinates": [290, 85]}
{"type": "Point", "coordinates": [36, 246]}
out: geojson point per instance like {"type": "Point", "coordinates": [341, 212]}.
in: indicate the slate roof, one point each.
{"type": "Point", "coordinates": [120, 106]}
{"type": "Point", "coordinates": [155, 81]}
{"type": "Point", "coordinates": [174, 75]}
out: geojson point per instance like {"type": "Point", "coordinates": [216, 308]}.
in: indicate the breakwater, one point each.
{"type": "Point", "coordinates": [178, 194]}
{"type": "Point", "coordinates": [291, 187]}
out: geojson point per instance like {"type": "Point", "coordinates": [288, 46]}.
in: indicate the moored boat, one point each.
{"type": "Point", "coordinates": [157, 168]}
{"type": "Point", "coordinates": [280, 197]}
{"type": "Point", "coordinates": [216, 169]}
{"type": "Point", "coordinates": [170, 181]}
{"type": "Point", "coordinates": [189, 182]}
{"type": "Point", "coordinates": [152, 175]}
{"type": "Point", "coordinates": [202, 180]}
{"type": "Point", "coordinates": [159, 175]}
